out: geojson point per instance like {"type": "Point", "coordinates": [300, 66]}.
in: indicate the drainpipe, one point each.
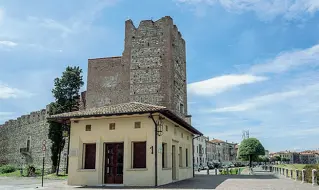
{"type": "Point", "coordinates": [194, 153]}
{"type": "Point", "coordinates": [155, 124]}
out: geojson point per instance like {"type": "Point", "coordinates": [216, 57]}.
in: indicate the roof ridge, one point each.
{"type": "Point", "coordinates": [148, 104]}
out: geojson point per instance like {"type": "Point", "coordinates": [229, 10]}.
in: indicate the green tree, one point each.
{"type": "Point", "coordinates": [66, 92]}
{"type": "Point", "coordinates": [250, 149]}
{"type": "Point", "coordinates": [278, 158]}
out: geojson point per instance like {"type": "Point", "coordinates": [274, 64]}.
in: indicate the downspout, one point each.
{"type": "Point", "coordinates": [155, 124]}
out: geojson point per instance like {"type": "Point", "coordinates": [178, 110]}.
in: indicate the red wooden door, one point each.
{"type": "Point", "coordinates": [114, 153]}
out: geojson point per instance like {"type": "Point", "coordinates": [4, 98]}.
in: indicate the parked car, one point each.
{"type": "Point", "coordinates": [201, 167]}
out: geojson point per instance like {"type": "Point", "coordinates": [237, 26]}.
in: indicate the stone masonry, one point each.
{"type": "Point", "coordinates": [21, 141]}
{"type": "Point", "coordinates": [152, 69]}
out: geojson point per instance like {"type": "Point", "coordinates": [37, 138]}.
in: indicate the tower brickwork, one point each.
{"type": "Point", "coordinates": [152, 69]}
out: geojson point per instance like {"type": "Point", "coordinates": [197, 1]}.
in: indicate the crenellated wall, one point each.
{"type": "Point", "coordinates": [14, 135]}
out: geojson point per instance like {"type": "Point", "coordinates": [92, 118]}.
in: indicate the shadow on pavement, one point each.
{"type": "Point", "coordinates": [199, 182]}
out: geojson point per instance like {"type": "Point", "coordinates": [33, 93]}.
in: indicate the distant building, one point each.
{"type": "Point", "coordinates": [304, 157]}
{"type": "Point", "coordinates": [211, 149]}
{"type": "Point", "coordinates": [308, 157]}
{"type": "Point", "coordinates": [200, 151]}
{"type": "Point", "coordinates": [222, 151]}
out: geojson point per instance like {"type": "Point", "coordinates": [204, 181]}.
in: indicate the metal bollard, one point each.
{"type": "Point", "coordinates": [297, 175]}
{"type": "Point", "coordinates": [207, 171]}
{"type": "Point", "coordinates": [291, 174]}
{"type": "Point", "coordinates": [314, 177]}
{"type": "Point", "coordinates": [287, 173]}
{"type": "Point", "coordinates": [303, 175]}
{"type": "Point", "coordinates": [215, 171]}
{"type": "Point", "coordinates": [280, 171]}
{"type": "Point", "coordinates": [238, 171]}
{"type": "Point", "coordinates": [227, 171]}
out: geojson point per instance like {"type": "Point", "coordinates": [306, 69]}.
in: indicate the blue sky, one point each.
{"type": "Point", "coordinates": [251, 65]}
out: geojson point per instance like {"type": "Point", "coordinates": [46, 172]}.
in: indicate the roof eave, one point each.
{"type": "Point", "coordinates": [165, 112]}
{"type": "Point", "coordinates": [97, 115]}
{"type": "Point", "coordinates": [180, 121]}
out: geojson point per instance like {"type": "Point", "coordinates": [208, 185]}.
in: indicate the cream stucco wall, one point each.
{"type": "Point", "coordinates": [179, 137]}
{"type": "Point", "coordinates": [126, 133]}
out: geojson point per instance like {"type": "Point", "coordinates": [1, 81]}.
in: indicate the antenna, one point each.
{"type": "Point", "coordinates": [245, 134]}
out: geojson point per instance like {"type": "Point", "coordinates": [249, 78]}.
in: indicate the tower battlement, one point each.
{"type": "Point", "coordinates": [152, 69]}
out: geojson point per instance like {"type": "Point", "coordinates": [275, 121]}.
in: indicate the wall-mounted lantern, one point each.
{"type": "Point", "coordinates": [160, 125]}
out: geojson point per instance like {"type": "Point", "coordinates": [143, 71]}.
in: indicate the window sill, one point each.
{"type": "Point", "coordinates": [86, 170]}
{"type": "Point", "coordinates": [166, 168]}
{"type": "Point", "coordinates": [184, 167]}
{"type": "Point", "coordinates": [136, 169]}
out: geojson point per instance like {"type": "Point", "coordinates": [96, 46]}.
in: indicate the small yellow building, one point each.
{"type": "Point", "coordinates": [131, 144]}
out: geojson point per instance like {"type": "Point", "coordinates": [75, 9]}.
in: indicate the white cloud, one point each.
{"type": "Point", "coordinates": [265, 9]}
{"type": "Point", "coordinates": [9, 92]}
{"type": "Point", "coordinates": [220, 84]}
{"type": "Point", "coordinates": [269, 99]}
{"type": "Point", "coordinates": [52, 33]}
{"type": "Point", "coordinates": [288, 60]}
{"type": "Point", "coordinates": [6, 113]}
{"type": "Point", "coordinates": [8, 43]}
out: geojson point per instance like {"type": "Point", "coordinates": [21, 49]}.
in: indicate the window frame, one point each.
{"type": "Point", "coordinates": [133, 164]}
{"type": "Point", "coordinates": [139, 126]}
{"type": "Point", "coordinates": [180, 157]}
{"type": "Point", "coordinates": [111, 125]}
{"type": "Point", "coordinates": [181, 108]}
{"type": "Point", "coordinates": [88, 127]}
{"type": "Point", "coordinates": [164, 155]}
{"type": "Point", "coordinates": [84, 156]}
{"type": "Point", "coordinates": [186, 152]}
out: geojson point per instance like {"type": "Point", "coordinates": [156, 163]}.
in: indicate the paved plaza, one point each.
{"type": "Point", "coordinates": [261, 180]}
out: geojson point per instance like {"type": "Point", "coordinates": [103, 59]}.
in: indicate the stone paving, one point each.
{"type": "Point", "coordinates": [260, 181]}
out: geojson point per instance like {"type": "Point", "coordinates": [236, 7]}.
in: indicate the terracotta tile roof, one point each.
{"type": "Point", "coordinates": [124, 109]}
{"type": "Point", "coordinates": [217, 141]}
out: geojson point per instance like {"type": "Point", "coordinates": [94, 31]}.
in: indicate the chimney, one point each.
{"type": "Point", "coordinates": [188, 119]}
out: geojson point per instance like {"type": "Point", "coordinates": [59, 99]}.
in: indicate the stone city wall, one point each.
{"type": "Point", "coordinates": [14, 136]}
{"type": "Point", "coordinates": [32, 129]}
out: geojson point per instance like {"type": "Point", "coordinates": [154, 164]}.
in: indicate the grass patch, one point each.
{"type": "Point", "coordinates": [295, 167]}
{"type": "Point", "coordinates": [54, 176]}
{"type": "Point", "coordinates": [292, 166]}
{"type": "Point", "coordinates": [38, 175]}
{"type": "Point", "coordinates": [12, 174]}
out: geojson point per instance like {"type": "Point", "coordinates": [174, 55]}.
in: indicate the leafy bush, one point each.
{"type": "Point", "coordinates": [7, 169]}
{"type": "Point", "coordinates": [308, 173]}
{"type": "Point", "coordinates": [31, 170]}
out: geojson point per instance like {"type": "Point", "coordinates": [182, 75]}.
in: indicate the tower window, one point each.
{"type": "Point", "coordinates": [181, 108]}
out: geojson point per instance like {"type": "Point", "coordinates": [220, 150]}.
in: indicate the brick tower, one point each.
{"type": "Point", "coordinates": [152, 69]}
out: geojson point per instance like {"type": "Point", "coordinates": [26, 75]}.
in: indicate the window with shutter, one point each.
{"type": "Point", "coordinates": [139, 155]}
{"type": "Point", "coordinates": [186, 151]}
{"type": "Point", "coordinates": [180, 157]}
{"type": "Point", "coordinates": [89, 156]}
{"type": "Point", "coordinates": [164, 155]}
